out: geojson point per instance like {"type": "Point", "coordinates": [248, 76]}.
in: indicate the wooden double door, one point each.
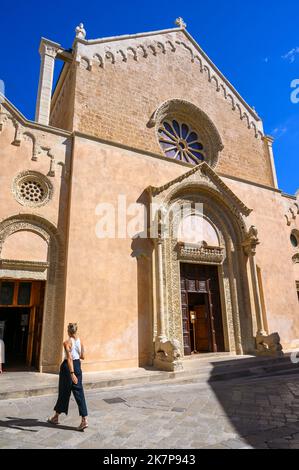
{"type": "Point", "coordinates": [201, 309]}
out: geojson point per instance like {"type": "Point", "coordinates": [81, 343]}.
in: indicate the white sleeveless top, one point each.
{"type": "Point", "coordinates": [76, 348]}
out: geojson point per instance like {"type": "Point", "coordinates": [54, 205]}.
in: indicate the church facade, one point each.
{"type": "Point", "coordinates": [142, 203]}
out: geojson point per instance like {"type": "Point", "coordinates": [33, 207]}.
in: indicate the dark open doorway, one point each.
{"type": "Point", "coordinates": [15, 336]}
{"type": "Point", "coordinates": [201, 309]}
{"type": "Point", "coordinates": [21, 314]}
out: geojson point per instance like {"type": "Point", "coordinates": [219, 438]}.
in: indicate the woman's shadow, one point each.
{"type": "Point", "coordinates": [23, 423]}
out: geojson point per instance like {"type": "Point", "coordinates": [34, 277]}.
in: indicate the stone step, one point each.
{"type": "Point", "coordinates": [203, 369]}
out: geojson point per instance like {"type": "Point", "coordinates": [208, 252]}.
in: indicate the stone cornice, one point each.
{"type": "Point", "coordinates": [211, 63]}
{"type": "Point", "coordinates": [127, 36]}
{"type": "Point", "coordinates": [205, 169]}
{"type": "Point", "coordinates": [23, 265]}
{"type": "Point", "coordinates": [5, 103]}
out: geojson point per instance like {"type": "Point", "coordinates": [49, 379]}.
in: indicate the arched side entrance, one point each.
{"type": "Point", "coordinates": [49, 275]}
{"type": "Point", "coordinates": [226, 213]}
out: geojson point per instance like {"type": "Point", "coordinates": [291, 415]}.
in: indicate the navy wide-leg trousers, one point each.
{"type": "Point", "coordinates": [66, 386]}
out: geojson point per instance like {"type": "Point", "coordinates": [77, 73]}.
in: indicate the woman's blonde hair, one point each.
{"type": "Point", "coordinates": [72, 328]}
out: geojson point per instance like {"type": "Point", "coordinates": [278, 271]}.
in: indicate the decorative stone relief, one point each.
{"type": "Point", "coordinates": [295, 258]}
{"type": "Point", "coordinates": [292, 212]}
{"type": "Point", "coordinates": [202, 254]}
{"type": "Point", "coordinates": [268, 345]}
{"type": "Point", "coordinates": [32, 189]}
{"type": "Point", "coordinates": [201, 184]}
{"type": "Point", "coordinates": [23, 134]}
{"type": "Point", "coordinates": [168, 355]}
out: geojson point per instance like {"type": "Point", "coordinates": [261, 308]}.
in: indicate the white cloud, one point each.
{"type": "Point", "coordinates": [279, 131]}
{"type": "Point", "coordinates": [291, 55]}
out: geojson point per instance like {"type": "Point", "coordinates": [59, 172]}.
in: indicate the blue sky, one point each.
{"type": "Point", "coordinates": [247, 42]}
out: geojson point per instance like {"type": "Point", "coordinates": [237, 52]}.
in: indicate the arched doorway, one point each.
{"type": "Point", "coordinates": [222, 257]}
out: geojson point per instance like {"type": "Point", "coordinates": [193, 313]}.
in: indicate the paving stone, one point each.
{"type": "Point", "coordinates": [229, 415]}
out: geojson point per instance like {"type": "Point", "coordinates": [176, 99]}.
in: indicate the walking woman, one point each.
{"type": "Point", "coordinates": [70, 378]}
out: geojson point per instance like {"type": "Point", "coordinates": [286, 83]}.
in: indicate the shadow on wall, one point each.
{"type": "Point", "coordinates": [260, 398]}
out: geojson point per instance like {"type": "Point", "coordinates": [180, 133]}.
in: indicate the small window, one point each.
{"type": "Point", "coordinates": [294, 240]}
{"type": "Point", "coordinates": [24, 293]}
{"type": "Point", "coordinates": [6, 293]}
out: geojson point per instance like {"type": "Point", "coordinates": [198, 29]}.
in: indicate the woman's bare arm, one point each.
{"type": "Point", "coordinates": [82, 355]}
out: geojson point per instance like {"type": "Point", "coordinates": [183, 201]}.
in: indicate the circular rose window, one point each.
{"type": "Point", "coordinates": [181, 142]}
{"type": "Point", "coordinates": [32, 189]}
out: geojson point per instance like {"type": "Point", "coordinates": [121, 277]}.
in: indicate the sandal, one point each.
{"type": "Point", "coordinates": [52, 421]}
{"type": "Point", "coordinates": [82, 426]}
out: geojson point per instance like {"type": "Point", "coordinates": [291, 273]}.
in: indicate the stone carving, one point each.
{"type": "Point", "coordinates": [268, 344]}
{"type": "Point", "coordinates": [201, 184]}
{"type": "Point", "coordinates": [22, 134]}
{"type": "Point", "coordinates": [292, 212]}
{"type": "Point", "coordinates": [80, 31]}
{"type": "Point", "coordinates": [180, 23]}
{"type": "Point", "coordinates": [197, 119]}
{"type": "Point", "coordinates": [295, 258]}
{"type": "Point", "coordinates": [204, 253]}
{"type": "Point", "coordinates": [32, 189]}
{"type": "Point", "coordinates": [30, 137]}
{"type": "Point", "coordinates": [168, 354]}
{"type": "Point", "coordinates": [251, 241]}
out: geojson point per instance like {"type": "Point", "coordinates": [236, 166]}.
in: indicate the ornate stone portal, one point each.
{"type": "Point", "coordinates": [241, 305]}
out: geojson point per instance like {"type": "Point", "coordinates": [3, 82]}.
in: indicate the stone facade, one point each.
{"type": "Point", "coordinates": [97, 139]}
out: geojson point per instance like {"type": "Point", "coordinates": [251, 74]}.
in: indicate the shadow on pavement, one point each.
{"type": "Point", "coordinates": [23, 423]}
{"type": "Point", "coordinates": [260, 397]}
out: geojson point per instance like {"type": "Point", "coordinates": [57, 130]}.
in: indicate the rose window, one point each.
{"type": "Point", "coordinates": [180, 142]}
{"type": "Point", "coordinates": [32, 191]}
{"type": "Point", "coordinates": [32, 188]}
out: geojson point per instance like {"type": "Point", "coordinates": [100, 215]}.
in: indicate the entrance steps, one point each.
{"type": "Point", "coordinates": [200, 369]}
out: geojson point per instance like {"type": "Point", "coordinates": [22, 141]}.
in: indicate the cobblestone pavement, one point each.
{"type": "Point", "coordinates": [229, 415]}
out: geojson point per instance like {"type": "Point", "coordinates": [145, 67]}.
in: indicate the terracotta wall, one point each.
{"type": "Point", "coordinates": [108, 282]}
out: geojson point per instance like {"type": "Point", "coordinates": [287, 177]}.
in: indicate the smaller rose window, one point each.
{"type": "Point", "coordinates": [31, 188]}
{"type": "Point", "coordinates": [181, 142]}
{"type": "Point", "coordinates": [32, 191]}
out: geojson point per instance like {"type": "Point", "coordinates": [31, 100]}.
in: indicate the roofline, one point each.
{"type": "Point", "coordinates": [195, 44]}
{"type": "Point", "coordinates": [126, 36]}
{"type": "Point", "coordinates": [228, 83]}
{"type": "Point", "coordinates": [28, 123]}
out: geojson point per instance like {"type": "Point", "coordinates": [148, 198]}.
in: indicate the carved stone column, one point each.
{"type": "Point", "coordinates": [48, 51]}
{"type": "Point", "coordinates": [161, 308]}
{"type": "Point", "coordinates": [167, 352]}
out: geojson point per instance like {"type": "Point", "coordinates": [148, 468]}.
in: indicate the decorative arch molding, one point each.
{"type": "Point", "coordinates": [197, 119]}
{"type": "Point", "coordinates": [53, 318]}
{"type": "Point", "coordinates": [234, 257]}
